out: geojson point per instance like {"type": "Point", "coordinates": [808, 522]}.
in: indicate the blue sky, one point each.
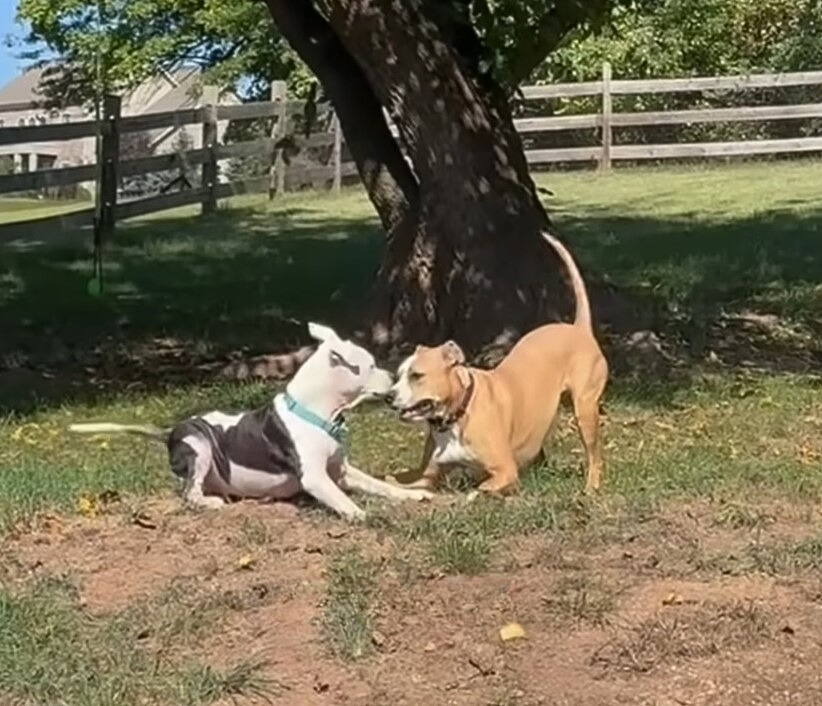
{"type": "Point", "coordinates": [10, 66]}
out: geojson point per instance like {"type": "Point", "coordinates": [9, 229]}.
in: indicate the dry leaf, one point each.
{"type": "Point", "coordinates": [246, 561]}
{"type": "Point", "coordinates": [807, 455]}
{"type": "Point", "coordinates": [512, 631]}
{"type": "Point", "coordinates": [672, 599]}
{"type": "Point", "coordinates": [88, 506]}
{"type": "Point", "coordinates": [144, 521]}
{"type": "Point", "coordinates": [377, 638]}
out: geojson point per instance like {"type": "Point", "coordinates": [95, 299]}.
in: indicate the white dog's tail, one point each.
{"type": "Point", "coordinates": [109, 428]}
{"type": "Point", "coordinates": [583, 313]}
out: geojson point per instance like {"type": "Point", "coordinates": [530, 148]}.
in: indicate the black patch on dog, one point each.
{"type": "Point", "coordinates": [259, 441]}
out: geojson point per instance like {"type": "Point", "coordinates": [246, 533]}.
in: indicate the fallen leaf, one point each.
{"type": "Point", "coordinates": [483, 664]}
{"type": "Point", "coordinates": [337, 533]}
{"type": "Point", "coordinates": [108, 497]}
{"type": "Point", "coordinates": [512, 631]}
{"type": "Point", "coordinates": [88, 506]}
{"type": "Point", "coordinates": [672, 599]}
{"type": "Point", "coordinates": [807, 455]}
{"type": "Point", "coordinates": [320, 686]}
{"type": "Point", "coordinates": [144, 521]}
{"type": "Point", "coordinates": [246, 561]}
{"type": "Point", "coordinates": [378, 638]}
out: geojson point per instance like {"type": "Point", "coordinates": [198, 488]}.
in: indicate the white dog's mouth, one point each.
{"type": "Point", "coordinates": [418, 411]}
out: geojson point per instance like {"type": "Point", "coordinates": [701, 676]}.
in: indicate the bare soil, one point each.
{"type": "Point", "coordinates": [635, 616]}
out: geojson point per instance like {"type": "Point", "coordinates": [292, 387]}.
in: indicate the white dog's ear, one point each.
{"type": "Point", "coordinates": [452, 353]}
{"type": "Point", "coordinates": [320, 332]}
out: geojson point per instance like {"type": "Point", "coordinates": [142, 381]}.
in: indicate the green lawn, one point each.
{"type": "Point", "coordinates": [732, 440]}
{"type": "Point", "coordinates": [181, 289]}
{"type": "Point", "coordinates": [20, 210]}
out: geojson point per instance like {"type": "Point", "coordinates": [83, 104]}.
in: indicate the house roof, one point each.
{"type": "Point", "coordinates": [164, 91]}
{"type": "Point", "coordinates": [22, 88]}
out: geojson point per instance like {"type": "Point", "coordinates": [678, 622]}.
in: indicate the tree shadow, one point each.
{"type": "Point", "coordinates": [182, 295]}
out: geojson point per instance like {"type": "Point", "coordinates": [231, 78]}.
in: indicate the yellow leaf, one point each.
{"type": "Point", "coordinates": [88, 506]}
{"type": "Point", "coordinates": [512, 631]}
{"type": "Point", "coordinates": [246, 561]}
{"type": "Point", "coordinates": [672, 599]}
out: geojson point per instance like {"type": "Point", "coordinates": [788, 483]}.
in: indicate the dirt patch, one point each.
{"type": "Point", "coordinates": [602, 625]}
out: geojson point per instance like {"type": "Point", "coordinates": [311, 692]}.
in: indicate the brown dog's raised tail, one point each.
{"type": "Point", "coordinates": [583, 312]}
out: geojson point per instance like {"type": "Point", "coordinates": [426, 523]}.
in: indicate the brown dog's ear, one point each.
{"type": "Point", "coordinates": [463, 376]}
{"type": "Point", "coordinates": [452, 353]}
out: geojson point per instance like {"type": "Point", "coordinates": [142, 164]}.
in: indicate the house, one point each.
{"type": "Point", "coordinates": [21, 103]}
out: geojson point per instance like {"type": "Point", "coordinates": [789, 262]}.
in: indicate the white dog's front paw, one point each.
{"type": "Point", "coordinates": [355, 516]}
{"type": "Point", "coordinates": [207, 502]}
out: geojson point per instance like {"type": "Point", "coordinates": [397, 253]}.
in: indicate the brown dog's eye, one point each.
{"type": "Point", "coordinates": [414, 376]}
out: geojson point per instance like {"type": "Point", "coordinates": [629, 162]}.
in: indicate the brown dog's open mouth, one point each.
{"type": "Point", "coordinates": [417, 411]}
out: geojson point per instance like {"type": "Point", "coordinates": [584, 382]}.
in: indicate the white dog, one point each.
{"type": "Point", "coordinates": [293, 444]}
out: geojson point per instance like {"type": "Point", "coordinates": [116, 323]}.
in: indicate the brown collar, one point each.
{"type": "Point", "coordinates": [442, 423]}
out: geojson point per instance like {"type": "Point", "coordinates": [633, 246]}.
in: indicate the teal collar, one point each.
{"type": "Point", "coordinates": [336, 430]}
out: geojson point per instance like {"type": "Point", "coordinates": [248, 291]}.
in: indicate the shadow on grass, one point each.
{"type": "Point", "coordinates": [182, 292]}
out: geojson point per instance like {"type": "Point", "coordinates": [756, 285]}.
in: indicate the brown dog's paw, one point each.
{"type": "Point", "coordinates": [497, 490]}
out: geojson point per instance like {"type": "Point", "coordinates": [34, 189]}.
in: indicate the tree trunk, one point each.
{"type": "Point", "coordinates": [464, 260]}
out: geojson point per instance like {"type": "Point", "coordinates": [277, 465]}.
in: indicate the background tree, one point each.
{"type": "Point", "coordinates": [235, 42]}
{"type": "Point", "coordinates": [463, 256]}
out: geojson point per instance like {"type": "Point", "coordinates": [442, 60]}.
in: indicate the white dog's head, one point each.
{"type": "Point", "coordinates": [339, 372]}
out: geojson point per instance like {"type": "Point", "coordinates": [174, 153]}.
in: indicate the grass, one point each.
{"type": "Point", "coordinates": [19, 210]}
{"type": "Point", "coordinates": [582, 599]}
{"type": "Point", "coordinates": [347, 614]}
{"type": "Point", "coordinates": [707, 631]}
{"type": "Point", "coordinates": [182, 290]}
{"type": "Point", "coordinates": [779, 559]}
{"type": "Point", "coordinates": [52, 651]}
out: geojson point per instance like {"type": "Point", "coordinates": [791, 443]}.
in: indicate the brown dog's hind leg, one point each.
{"type": "Point", "coordinates": [586, 410]}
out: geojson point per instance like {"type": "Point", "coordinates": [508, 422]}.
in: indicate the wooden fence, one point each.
{"type": "Point", "coordinates": [606, 119]}
{"type": "Point", "coordinates": [109, 168]}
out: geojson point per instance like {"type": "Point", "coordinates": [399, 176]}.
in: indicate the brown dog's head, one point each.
{"type": "Point", "coordinates": [427, 382]}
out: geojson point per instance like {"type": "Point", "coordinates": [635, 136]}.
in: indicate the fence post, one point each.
{"type": "Point", "coordinates": [276, 178]}
{"type": "Point", "coordinates": [107, 160]}
{"type": "Point", "coordinates": [336, 155]}
{"type": "Point", "coordinates": [209, 101]}
{"type": "Point", "coordinates": [607, 132]}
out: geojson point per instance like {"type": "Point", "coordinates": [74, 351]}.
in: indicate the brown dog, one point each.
{"type": "Point", "coordinates": [496, 420]}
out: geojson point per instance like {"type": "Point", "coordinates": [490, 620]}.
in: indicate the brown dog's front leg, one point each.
{"type": "Point", "coordinates": [504, 477]}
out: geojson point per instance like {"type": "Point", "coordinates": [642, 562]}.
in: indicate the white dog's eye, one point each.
{"type": "Point", "coordinates": [335, 359]}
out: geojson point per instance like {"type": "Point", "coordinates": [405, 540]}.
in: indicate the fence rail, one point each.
{"type": "Point", "coordinates": [280, 111]}
{"type": "Point", "coordinates": [606, 120]}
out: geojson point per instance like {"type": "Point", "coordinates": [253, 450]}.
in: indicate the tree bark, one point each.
{"type": "Point", "coordinates": [464, 258]}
